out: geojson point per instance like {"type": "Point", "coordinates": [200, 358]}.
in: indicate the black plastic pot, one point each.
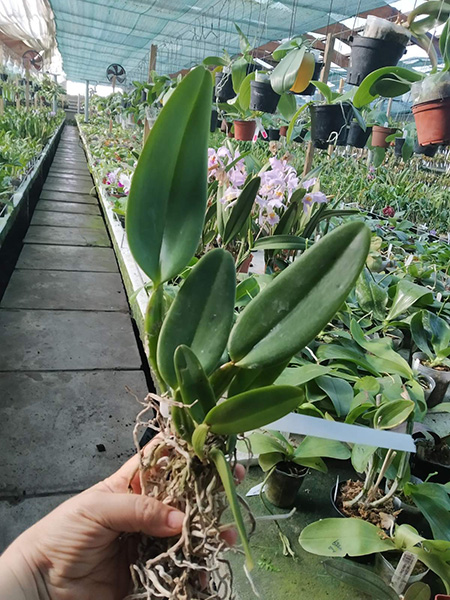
{"type": "Point", "coordinates": [311, 89]}
{"type": "Point", "coordinates": [327, 121]}
{"type": "Point", "coordinates": [262, 97]}
{"type": "Point", "coordinates": [441, 379]}
{"type": "Point", "coordinates": [224, 87]}
{"type": "Point", "coordinates": [213, 125]}
{"type": "Point", "coordinates": [357, 137]}
{"type": "Point", "coordinates": [274, 134]}
{"type": "Point", "coordinates": [282, 486]}
{"type": "Point", "coordinates": [399, 142]}
{"type": "Point", "coordinates": [429, 151]}
{"type": "Point", "coordinates": [4, 76]}
{"type": "Point", "coordinates": [369, 54]}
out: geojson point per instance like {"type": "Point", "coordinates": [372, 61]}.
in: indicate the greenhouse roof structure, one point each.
{"type": "Point", "coordinates": [92, 34]}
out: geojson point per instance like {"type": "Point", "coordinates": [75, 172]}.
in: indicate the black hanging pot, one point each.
{"type": "Point", "coordinates": [357, 137]}
{"type": "Point", "coordinates": [274, 134]}
{"type": "Point", "coordinates": [23, 82]}
{"type": "Point", "coordinates": [370, 54]}
{"type": "Point", "coordinates": [429, 151]}
{"type": "Point", "coordinates": [213, 125]}
{"type": "Point", "coordinates": [262, 97]}
{"type": "Point", "coordinates": [4, 76]}
{"type": "Point", "coordinates": [399, 142]}
{"type": "Point", "coordinates": [224, 87]}
{"type": "Point", "coordinates": [311, 89]}
{"type": "Point", "coordinates": [329, 124]}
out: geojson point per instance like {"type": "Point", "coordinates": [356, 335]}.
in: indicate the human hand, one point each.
{"type": "Point", "coordinates": [77, 552]}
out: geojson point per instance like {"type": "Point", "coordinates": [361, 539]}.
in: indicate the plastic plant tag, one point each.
{"type": "Point", "coordinates": [403, 571]}
{"type": "Point", "coordinates": [343, 432]}
{"type": "Point", "coordinates": [255, 490]}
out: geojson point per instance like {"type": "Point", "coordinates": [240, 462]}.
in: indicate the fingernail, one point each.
{"type": "Point", "coordinates": [175, 520]}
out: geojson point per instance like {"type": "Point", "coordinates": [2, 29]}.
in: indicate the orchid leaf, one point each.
{"type": "Point", "coordinates": [280, 242]}
{"type": "Point", "coordinates": [311, 447]}
{"type": "Point", "coordinates": [195, 389]}
{"type": "Point", "coordinates": [287, 105]}
{"type": "Point", "coordinates": [407, 294]}
{"type": "Point", "coordinates": [361, 578]}
{"type": "Point", "coordinates": [294, 120]}
{"type": "Point", "coordinates": [325, 90]}
{"type": "Point", "coordinates": [301, 375]}
{"type": "Point", "coordinates": [341, 537]}
{"type": "Point", "coordinates": [339, 391]}
{"type": "Point", "coordinates": [238, 73]}
{"type": "Point", "coordinates": [254, 409]}
{"type": "Point", "coordinates": [241, 210]}
{"type": "Point", "coordinates": [434, 503]}
{"type": "Point", "coordinates": [365, 93]}
{"type": "Point", "coordinates": [283, 76]}
{"type": "Point", "coordinates": [392, 414]}
{"type": "Point", "coordinates": [226, 476]}
{"type": "Point", "coordinates": [294, 308]}
{"type": "Point", "coordinates": [166, 207]}
{"type": "Point", "coordinates": [201, 315]}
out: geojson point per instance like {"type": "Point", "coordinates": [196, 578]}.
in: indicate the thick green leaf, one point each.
{"type": "Point", "coordinates": [339, 537]}
{"type": "Point", "coordinates": [428, 330]}
{"type": "Point", "coordinates": [215, 61]}
{"type": "Point", "coordinates": [418, 591]}
{"type": "Point", "coordinates": [325, 90]}
{"type": "Point", "coordinates": [312, 447]}
{"type": "Point", "coordinates": [365, 94]}
{"type": "Point", "coordinates": [394, 413]}
{"type": "Point", "coordinates": [295, 307]}
{"type": "Point", "coordinates": [283, 76]}
{"type": "Point", "coordinates": [290, 215]}
{"type": "Point", "coordinates": [238, 73]}
{"type": "Point", "coordinates": [281, 51]}
{"type": "Point", "coordinates": [269, 460]}
{"type": "Point", "coordinates": [280, 242]}
{"type": "Point", "coordinates": [201, 314]}
{"type": "Point", "coordinates": [246, 290]}
{"type": "Point", "coordinates": [250, 379]}
{"type": "Point", "coordinates": [361, 455]}
{"type": "Point", "coordinates": [311, 463]}
{"type": "Point", "coordinates": [301, 375]}
{"type": "Point", "coordinates": [263, 443]}
{"type": "Point", "coordinates": [287, 105]}
{"type": "Point", "coordinates": [371, 296]}
{"type": "Point", "coordinates": [434, 503]}
{"type": "Point", "coordinates": [444, 44]}
{"type": "Point", "coordinates": [166, 206]}
{"type": "Point", "coordinates": [226, 476]}
{"type": "Point", "coordinates": [339, 391]}
{"type": "Point", "coordinates": [407, 294]}
{"type": "Point", "coordinates": [335, 352]}
{"type": "Point", "coordinates": [245, 92]}
{"type": "Point", "coordinates": [407, 149]}
{"type": "Point", "coordinates": [253, 409]}
{"type": "Point", "coordinates": [361, 578]}
{"type": "Point", "coordinates": [294, 120]}
{"type": "Point", "coordinates": [241, 210]}
{"type": "Point", "coordinates": [193, 383]}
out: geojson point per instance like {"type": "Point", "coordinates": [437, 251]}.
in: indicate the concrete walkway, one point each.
{"type": "Point", "coordinates": [67, 353]}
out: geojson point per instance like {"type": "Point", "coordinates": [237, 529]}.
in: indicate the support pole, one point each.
{"type": "Point", "coordinates": [86, 103]}
{"type": "Point", "coordinates": [151, 67]}
{"type": "Point", "coordinates": [324, 78]}
{"type": "Point", "coordinates": [78, 104]}
{"type": "Point", "coordinates": [27, 88]}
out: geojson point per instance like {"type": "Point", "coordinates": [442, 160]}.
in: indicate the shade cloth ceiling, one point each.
{"type": "Point", "coordinates": [92, 34]}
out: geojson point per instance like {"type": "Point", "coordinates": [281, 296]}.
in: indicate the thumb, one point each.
{"type": "Point", "coordinates": [133, 513]}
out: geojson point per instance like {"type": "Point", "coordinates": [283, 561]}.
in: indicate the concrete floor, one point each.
{"type": "Point", "coordinates": [67, 355]}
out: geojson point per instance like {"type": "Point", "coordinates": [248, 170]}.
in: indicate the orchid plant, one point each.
{"type": "Point", "coordinates": [197, 351]}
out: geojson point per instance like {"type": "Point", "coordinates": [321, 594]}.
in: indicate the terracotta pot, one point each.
{"type": "Point", "coordinates": [433, 122]}
{"type": "Point", "coordinates": [283, 130]}
{"type": "Point", "coordinates": [379, 135]}
{"type": "Point", "coordinates": [244, 130]}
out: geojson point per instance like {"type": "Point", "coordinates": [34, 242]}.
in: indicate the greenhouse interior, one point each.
{"type": "Point", "coordinates": [224, 300]}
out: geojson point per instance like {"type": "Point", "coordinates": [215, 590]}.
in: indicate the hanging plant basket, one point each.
{"type": "Point", "coordinates": [244, 130]}
{"type": "Point", "coordinates": [329, 124]}
{"type": "Point", "coordinates": [433, 122]}
{"type": "Point", "coordinates": [262, 97]}
{"type": "Point", "coordinates": [379, 135]}
{"type": "Point", "coordinates": [357, 137]}
{"type": "Point", "coordinates": [224, 87]}
{"type": "Point", "coordinates": [370, 54]}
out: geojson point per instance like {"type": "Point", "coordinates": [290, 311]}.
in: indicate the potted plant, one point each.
{"type": "Point", "coordinates": [295, 68]}
{"type": "Point", "coordinates": [286, 463]}
{"type": "Point", "coordinates": [196, 350]}
{"type": "Point", "coordinates": [431, 334]}
{"type": "Point", "coordinates": [355, 537]}
{"type": "Point", "coordinates": [381, 44]}
{"type": "Point", "coordinates": [263, 97]}
{"type": "Point", "coordinates": [330, 120]}
{"type": "Point", "coordinates": [357, 135]}
{"type": "Point", "coordinates": [431, 100]}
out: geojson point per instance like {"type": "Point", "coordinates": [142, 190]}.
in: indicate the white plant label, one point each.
{"type": "Point", "coordinates": [403, 571]}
